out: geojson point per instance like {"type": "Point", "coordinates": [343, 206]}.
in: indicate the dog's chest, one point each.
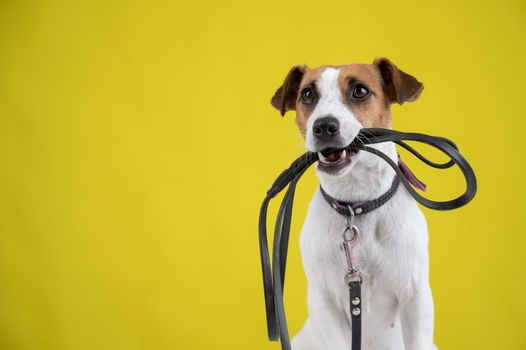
{"type": "Point", "coordinates": [323, 255]}
{"type": "Point", "coordinates": [325, 264]}
{"type": "Point", "coordinates": [375, 255]}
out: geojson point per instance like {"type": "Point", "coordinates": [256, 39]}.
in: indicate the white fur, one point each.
{"type": "Point", "coordinates": [330, 103]}
{"type": "Point", "coordinates": [392, 253]}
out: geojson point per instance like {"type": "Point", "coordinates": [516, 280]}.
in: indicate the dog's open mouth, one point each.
{"type": "Point", "coordinates": [332, 161]}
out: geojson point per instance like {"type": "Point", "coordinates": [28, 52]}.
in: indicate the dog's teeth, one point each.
{"type": "Point", "coordinates": [322, 157]}
{"type": "Point", "coordinates": [344, 153]}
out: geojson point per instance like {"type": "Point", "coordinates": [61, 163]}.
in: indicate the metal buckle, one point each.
{"type": "Point", "coordinates": [354, 276]}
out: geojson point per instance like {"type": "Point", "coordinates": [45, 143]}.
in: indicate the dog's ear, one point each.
{"type": "Point", "coordinates": [285, 97]}
{"type": "Point", "coordinates": [398, 86]}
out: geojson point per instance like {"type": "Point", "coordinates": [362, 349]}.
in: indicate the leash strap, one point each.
{"type": "Point", "coordinates": [353, 278]}
{"type": "Point", "coordinates": [355, 294]}
{"type": "Point", "coordinates": [274, 271]}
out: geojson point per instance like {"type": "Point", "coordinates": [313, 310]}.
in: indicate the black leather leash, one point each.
{"type": "Point", "coordinates": [274, 277]}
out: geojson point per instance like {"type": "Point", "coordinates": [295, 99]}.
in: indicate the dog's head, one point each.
{"type": "Point", "coordinates": [333, 103]}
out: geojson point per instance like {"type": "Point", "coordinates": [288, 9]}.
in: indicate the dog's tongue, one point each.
{"type": "Point", "coordinates": [334, 156]}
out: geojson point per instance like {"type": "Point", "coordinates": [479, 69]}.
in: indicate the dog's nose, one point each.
{"type": "Point", "coordinates": [326, 128]}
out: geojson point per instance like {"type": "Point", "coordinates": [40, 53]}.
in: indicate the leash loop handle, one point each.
{"type": "Point", "coordinates": [442, 144]}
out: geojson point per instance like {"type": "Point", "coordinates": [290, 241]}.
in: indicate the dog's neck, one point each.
{"type": "Point", "coordinates": [367, 179]}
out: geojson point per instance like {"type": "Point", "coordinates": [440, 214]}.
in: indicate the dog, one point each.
{"type": "Point", "coordinates": [332, 103]}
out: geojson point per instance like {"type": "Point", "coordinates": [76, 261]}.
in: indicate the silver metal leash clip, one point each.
{"type": "Point", "coordinates": [351, 235]}
{"type": "Point", "coordinates": [350, 238]}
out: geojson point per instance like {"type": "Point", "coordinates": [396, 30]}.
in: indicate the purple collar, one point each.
{"type": "Point", "coordinates": [362, 207]}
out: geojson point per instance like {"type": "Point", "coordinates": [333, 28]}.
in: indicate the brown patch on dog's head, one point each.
{"type": "Point", "coordinates": [372, 112]}
{"type": "Point", "coordinates": [285, 97]}
{"type": "Point", "coordinates": [303, 111]}
{"type": "Point", "coordinates": [399, 86]}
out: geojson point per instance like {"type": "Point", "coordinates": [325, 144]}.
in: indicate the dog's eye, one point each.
{"type": "Point", "coordinates": [360, 91]}
{"type": "Point", "coordinates": [307, 95]}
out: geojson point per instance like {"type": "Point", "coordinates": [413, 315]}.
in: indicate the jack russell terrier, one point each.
{"type": "Point", "coordinates": [332, 104]}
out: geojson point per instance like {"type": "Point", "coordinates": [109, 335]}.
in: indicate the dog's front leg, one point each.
{"type": "Point", "coordinates": [416, 315]}
{"type": "Point", "coordinates": [329, 321]}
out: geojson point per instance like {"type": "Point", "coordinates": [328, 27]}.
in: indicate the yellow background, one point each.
{"type": "Point", "coordinates": [137, 141]}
